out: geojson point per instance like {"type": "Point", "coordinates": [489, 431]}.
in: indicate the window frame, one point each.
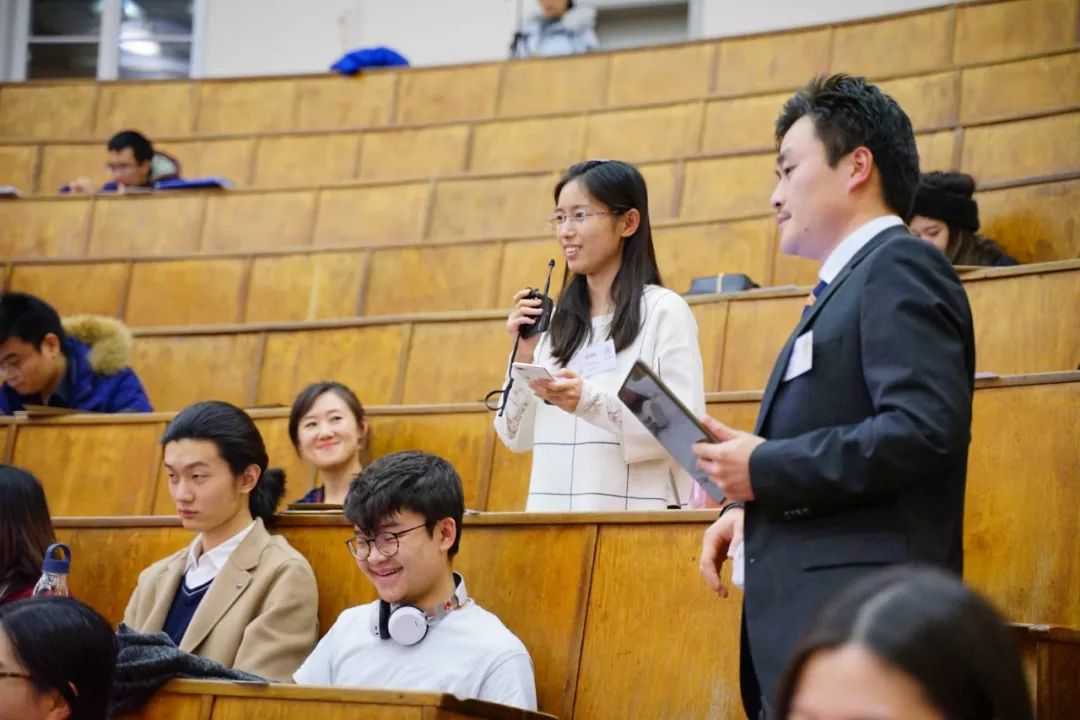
{"type": "Point", "coordinates": [13, 63]}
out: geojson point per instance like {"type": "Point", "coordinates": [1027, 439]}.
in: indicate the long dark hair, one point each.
{"type": "Point", "coordinates": [239, 444]}
{"type": "Point", "coordinates": [25, 528]}
{"type": "Point", "coordinates": [968, 248]}
{"type": "Point", "coordinates": [928, 625]}
{"type": "Point", "coordinates": [619, 187]}
{"type": "Point", "coordinates": [65, 647]}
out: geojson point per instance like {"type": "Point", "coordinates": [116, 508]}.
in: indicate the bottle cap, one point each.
{"type": "Point", "coordinates": [59, 566]}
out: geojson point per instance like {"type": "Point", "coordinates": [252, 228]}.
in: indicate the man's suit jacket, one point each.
{"type": "Point", "coordinates": [259, 615]}
{"type": "Point", "coordinates": [865, 456]}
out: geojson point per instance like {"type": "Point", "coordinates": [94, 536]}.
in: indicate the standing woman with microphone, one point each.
{"type": "Point", "coordinates": [589, 451]}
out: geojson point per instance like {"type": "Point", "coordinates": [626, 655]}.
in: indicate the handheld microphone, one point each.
{"type": "Point", "coordinates": [543, 320]}
{"type": "Point", "coordinates": [547, 305]}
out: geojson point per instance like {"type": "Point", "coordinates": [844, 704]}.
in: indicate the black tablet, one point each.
{"type": "Point", "coordinates": [669, 421]}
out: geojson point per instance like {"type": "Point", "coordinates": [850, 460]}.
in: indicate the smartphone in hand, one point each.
{"type": "Point", "coordinates": [531, 373]}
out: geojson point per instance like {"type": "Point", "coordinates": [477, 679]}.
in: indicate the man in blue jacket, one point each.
{"type": "Point", "coordinates": [133, 162]}
{"type": "Point", "coordinates": [80, 364]}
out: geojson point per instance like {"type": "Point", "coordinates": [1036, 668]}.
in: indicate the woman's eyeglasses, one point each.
{"type": "Point", "coordinates": [577, 217]}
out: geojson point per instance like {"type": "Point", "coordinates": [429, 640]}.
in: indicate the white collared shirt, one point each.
{"type": "Point", "coordinates": [853, 243]}
{"type": "Point", "coordinates": [203, 568]}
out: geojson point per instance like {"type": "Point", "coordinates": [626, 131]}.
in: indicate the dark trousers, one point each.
{"type": "Point", "coordinates": [757, 707]}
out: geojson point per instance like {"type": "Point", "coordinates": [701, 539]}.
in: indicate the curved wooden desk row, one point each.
{"type": "Point", "coordinates": [1023, 453]}
{"type": "Point", "coordinates": [477, 207]}
{"type": "Point", "coordinates": [1033, 221]}
{"type": "Point", "coordinates": [610, 605]}
{"type": "Point", "coordinates": [1049, 656]}
{"type": "Point", "coordinates": [934, 101]}
{"type": "Point", "coordinates": [212, 700]}
{"type": "Point", "coordinates": [882, 47]}
{"type": "Point", "coordinates": [1020, 315]}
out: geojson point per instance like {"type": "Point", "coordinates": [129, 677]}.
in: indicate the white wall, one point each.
{"type": "Point", "coordinates": [743, 17]}
{"type": "Point", "coordinates": [275, 37]}
{"type": "Point", "coordinates": [437, 32]}
{"type": "Point", "coordinates": [264, 37]}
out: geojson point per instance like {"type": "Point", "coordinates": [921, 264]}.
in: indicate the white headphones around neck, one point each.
{"type": "Point", "coordinates": [408, 624]}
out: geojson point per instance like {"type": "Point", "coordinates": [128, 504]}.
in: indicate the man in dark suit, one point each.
{"type": "Point", "coordinates": [860, 452]}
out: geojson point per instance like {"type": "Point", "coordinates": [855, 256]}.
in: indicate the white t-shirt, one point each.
{"type": "Point", "coordinates": [468, 653]}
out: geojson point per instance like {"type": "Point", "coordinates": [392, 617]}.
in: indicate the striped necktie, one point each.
{"type": "Point", "coordinates": [813, 296]}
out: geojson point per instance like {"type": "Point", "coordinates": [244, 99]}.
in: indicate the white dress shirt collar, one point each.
{"type": "Point", "coordinates": [853, 243]}
{"type": "Point", "coordinates": [205, 567]}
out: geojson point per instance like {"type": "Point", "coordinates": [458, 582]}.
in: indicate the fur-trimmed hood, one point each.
{"type": "Point", "coordinates": [98, 378]}
{"type": "Point", "coordinates": [109, 340]}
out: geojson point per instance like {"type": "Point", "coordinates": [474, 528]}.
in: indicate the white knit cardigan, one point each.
{"type": "Point", "coordinates": [601, 457]}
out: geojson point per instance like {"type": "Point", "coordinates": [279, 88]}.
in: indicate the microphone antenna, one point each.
{"type": "Point", "coordinates": [551, 268]}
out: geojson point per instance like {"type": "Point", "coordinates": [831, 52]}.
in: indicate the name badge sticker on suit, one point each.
{"type": "Point", "coordinates": [597, 358]}
{"type": "Point", "coordinates": [802, 356]}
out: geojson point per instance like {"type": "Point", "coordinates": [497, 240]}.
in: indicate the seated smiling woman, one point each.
{"type": "Point", "coordinates": [237, 595]}
{"type": "Point", "coordinates": [328, 428]}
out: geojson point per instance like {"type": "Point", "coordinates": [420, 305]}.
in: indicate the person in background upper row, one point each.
{"type": "Point", "coordinates": [328, 428]}
{"type": "Point", "coordinates": [26, 531]}
{"type": "Point", "coordinates": [589, 451]}
{"type": "Point", "coordinates": [237, 594]}
{"type": "Point", "coordinates": [79, 364]}
{"type": "Point", "coordinates": [907, 643]}
{"type": "Point", "coordinates": [133, 163]}
{"type": "Point", "coordinates": [424, 632]}
{"type": "Point", "coordinates": [946, 215]}
{"type": "Point", "coordinates": [559, 28]}
{"type": "Point", "coordinates": [57, 661]}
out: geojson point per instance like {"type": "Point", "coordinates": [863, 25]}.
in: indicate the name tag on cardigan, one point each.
{"type": "Point", "coordinates": [596, 359]}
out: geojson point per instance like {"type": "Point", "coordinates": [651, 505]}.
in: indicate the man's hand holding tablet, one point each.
{"type": "Point", "coordinates": [673, 425]}
{"type": "Point", "coordinates": [727, 462]}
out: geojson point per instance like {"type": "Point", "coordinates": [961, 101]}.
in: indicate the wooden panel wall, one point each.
{"type": "Point", "coordinates": [493, 478]}
{"type": "Point", "coordinates": [1018, 330]}
{"type": "Point", "coordinates": [1031, 151]}
{"type": "Point", "coordinates": [1017, 469]}
{"type": "Point", "coordinates": [276, 152]}
{"type": "Point", "coordinates": [570, 587]}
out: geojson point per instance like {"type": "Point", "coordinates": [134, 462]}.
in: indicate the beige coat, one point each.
{"type": "Point", "coordinates": [259, 615]}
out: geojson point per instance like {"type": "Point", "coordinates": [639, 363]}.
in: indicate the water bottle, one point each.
{"type": "Point", "coordinates": [54, 572]}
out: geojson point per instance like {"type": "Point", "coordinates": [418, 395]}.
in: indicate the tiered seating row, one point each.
{"type": "Point", "coordinates": [489, 207]}
{"type": "Point", "coordinates": [914, 42]}
{"type": "Point", "coordinates": [597, 619]}
{"type": "Point", "coordinates": [74, 453]}
{"type": "Point", "coordinates": [935, 101]}
{"type": "Point", "coordinates": [321, 284]}
{"type": "Point", "coordinates": [214, 700]}
{"type": "Point", "coordinates": [419, 359]}
{"type": "Point", "coordinates": [1049, 656]}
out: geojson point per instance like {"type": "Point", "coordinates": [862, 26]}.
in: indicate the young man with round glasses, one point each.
{"type": "Point", "coordinates": [424, 633]}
